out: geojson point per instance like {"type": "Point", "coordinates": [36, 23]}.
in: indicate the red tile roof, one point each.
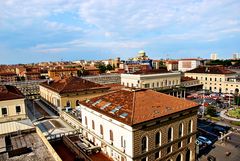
{"type": "Point", "coordinates": [211, 70]}
{"type": "Point", "coordinates": [8, 74]}
{"type": "Point", "coordinates": [140, 105]}
{"type": "Point", "coordinates": [9, 92]}
{"type": "Point", "coordinates": [72, 84]}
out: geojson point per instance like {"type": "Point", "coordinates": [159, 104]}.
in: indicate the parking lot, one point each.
{"type": "Point", "coordinates": [224, 150]}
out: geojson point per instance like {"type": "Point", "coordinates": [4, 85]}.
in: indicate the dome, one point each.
{"type": "Point", "coordinates": [141, 53]}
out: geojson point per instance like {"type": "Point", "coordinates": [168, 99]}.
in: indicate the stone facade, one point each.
{"type": "Point", "coordinates": [150, 132]}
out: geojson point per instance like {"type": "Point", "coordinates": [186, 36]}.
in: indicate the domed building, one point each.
{"type": "Point", "coordinates": [141, 56]}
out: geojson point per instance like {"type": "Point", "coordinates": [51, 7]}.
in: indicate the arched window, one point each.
{"type": "Point", "coordinates": [86, 120]}
{"type": "Point", "coordinates": [170, 134]}
{"type": "Point", "coordinates": [190, 126]}
{"type": "Point", "coordinates": [188, 155]}
{"type": "Point", "coordinates": [180, 130]}
{"type": "Point", "coordinates": [68, 104]}
{"type": "Point", "coordinates": [158, 139]}
{"type": "Point", "coordinates": [111, 135]}
{"type": "Point", "coordinates": [101, 129]}
{"type": "Point", "coordinates": [144, 144]}
{"type": "Point", "coordinates": [179, 157]}
{"type": "Point", "coordinates": [77, 103]}
{"type": "Point", "coordinates": [93, 125]}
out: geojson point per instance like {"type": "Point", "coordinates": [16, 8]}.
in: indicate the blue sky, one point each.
{"type": "Point", "coordinates": [53, 30]}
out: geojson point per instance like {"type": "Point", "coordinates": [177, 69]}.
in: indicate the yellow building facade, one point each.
{"type": "Point", "coordinates": [12, 105]}
{"type": "Point", "coordinates": [215, 79]}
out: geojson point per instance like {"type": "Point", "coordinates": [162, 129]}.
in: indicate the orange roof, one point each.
{"type": "Point", "coordinates": [137, 106]}
{"type": "Point", "coordinates": [9, 92]}
{"type": "Point", "coordinates": [211, 70]}
{"type": "Point", "coordinates": [72, 84]}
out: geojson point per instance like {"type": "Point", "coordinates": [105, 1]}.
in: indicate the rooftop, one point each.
{"type": "Point", "coordinates": [26, 147]}
{"type": "Point", "coordinates": [211, 70]}
{"type": "Point", "coordinates": [153, 71]}
{"type": "Point", "coordinates": [8, 92]}
{"type": "Point", "coordinates": [184, 79]}
{"type": "Point", "coordinates": [72, 84]}
{"type": "Point", "coordinates": [136, 106]}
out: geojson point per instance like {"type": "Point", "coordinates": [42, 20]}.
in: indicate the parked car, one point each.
{"type": "Point", "coordinates": [219, 129]}
{"type": "Point", "coordinates": [204, 140]}
{"type": "Point", "coordinates": [199, 143]}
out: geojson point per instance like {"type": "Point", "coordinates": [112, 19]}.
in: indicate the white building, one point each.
{"type": "Point", "coordinates": [188, 64]}
{"type": "Point", "coordinates": [214, 56]}
{"type": "Point", "coordinates": [141, 125]}
{"type": "Point", "coordinates": [151, 79]}
{"type": "Point", "coordinates": [236, 56]}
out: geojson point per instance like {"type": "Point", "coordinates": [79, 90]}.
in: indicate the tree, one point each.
{"type": "Point", "coordinates": [82, 72]}
{"type": "Point", "coordinates": [102, 68]}
{"type": "Point", "coordinates": [211, 111]}
{"type": "Point", "coordinates": [113, 68]}
{"type": "Point", "coordinates": [22, 78]}
{"type": "Point", "coordinates": [109, 67]}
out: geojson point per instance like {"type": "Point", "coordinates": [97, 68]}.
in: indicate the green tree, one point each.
{"type": "Point", "coordinates": [211, 111]}
{"type": "Point", "coordinates": [102, 68]}
{"type": "Point", "coordinates": [109, 67]}
{"type": "Point", "coordinates": [22, 78]}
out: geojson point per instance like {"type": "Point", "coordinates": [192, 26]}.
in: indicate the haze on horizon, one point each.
{"type": "Point", "coordinates": [54, 30]}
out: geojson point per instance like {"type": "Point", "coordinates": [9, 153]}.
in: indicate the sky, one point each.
{"type": "Point", "coordinates": [65, 30]}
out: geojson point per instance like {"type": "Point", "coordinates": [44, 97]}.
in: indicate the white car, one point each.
{"type": "Point", "coordinates": [204, 140]}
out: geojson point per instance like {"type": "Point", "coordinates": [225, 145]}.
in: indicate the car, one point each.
{"type": "Point", "coordinates": [204, 140]}
{"type": "Point", "coordinates": [199, 143]}
{"type": "Point", "coordinates": [219, 129]}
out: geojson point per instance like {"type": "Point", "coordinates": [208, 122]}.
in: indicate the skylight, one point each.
{"type": "Point", "coordinates": [97, 102]}
{"type": "Point", "coordinates": [105, 106]}
{"type": "Point", "coordinates": [116, 109]}
{"type": "Point", "coordinates": [124, 115]}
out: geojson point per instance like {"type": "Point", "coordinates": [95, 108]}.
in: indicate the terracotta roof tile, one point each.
{"type": "Point", "coordinates": [140, 105]}
{"type": "Point", "coordinates": [9, 92]}
{"type": "Point", "coordinates": [211, 70]}
{"type": "Point", "coordinates": [72, 84]}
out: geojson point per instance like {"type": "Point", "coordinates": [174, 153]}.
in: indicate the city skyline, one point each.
{"type": "Point", "coordinates": [36, 31]}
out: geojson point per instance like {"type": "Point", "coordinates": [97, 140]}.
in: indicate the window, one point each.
{"type": "Point", "coordinates": [158, 139]}
{"type": "Point", "coordinates": [220, 79]}
{"type": "Point", "coordinates": [180, 134]}
{"type": "Point", "coordinates": [147, 85]}
{"type": "Point", "coordinates": [111, 135]}
{"type": "Point", "coordinates": [179, 144]}
{"type": "Point", "coordinates": [93, 125]}
{"type": "Point", "coordinates": [4, 111]}
{"type": "Point", "coordinates": [157, 84]}
{"type": "Point", "coordinates": [77, 103]}
{"type": "Point", "coordinates": [170, 134]}
{"type": "Point", "coordinates": [144, 159]}
{"type": "Point", "coordinates": [101, 129]}
{"type": "Point", "coordinates": [144, 144]}
{"type": "Point", "coordinates": [123, 142]}
{"type": "Point", "coordinates": [206, 78]}
{"type": "Point", "coordinates": [86, 120]}
{"type": "Point", "coordinates": [179, 157]}
{"type": "Point", "coordinates": [156, 155]}
{"type": "Point", "coordinates": [152, 85]}
{"type": "Point", "coordinates": [210, 79]}
{"type": "Point", "coordinates": [169, 149]}
{"type": "Point", "coordinates": [190, 126]}
{"type": "Point", "coordinates": [215, 79]}
{"type": "Point", "coordinates": [18, 109]}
